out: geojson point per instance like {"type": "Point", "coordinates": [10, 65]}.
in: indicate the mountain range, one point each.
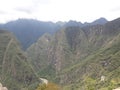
{"type": "Point", "coordinates": [80, 58]}
{"type": "Point", "coordinates": [28, 31]}
{"type": "Point", "coordinates": [73, 55]}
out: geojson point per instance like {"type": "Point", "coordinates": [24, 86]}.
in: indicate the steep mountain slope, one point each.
{"type": "Point", "coordinates": [102, 61]}
{"type": "Point", "coordinates": [39, 51]}
{"type": "Point", "coordinates": [84, 58]}
{"type": "Point", "coordinates": [51, 52]}
{"type": "Point", "coordinates": [68, 46]}
{"type": "Point", "coordinates": [28, 31]}
{"type": "Point", "coordinates": [15, 70]}
{"type": "Point", "coordinates": [38, 54]}
{"type": "Point", "coordinates": [100, 70]}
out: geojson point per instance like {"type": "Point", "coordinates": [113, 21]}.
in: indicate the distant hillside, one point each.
{"type": "Point", "coordinates": [100, 21]}
{"type": "Point", "coordinates": [28, 31]}
{"type": "Point", "coordinates": [15, 71]}
{"type": "Point", "coordinates": [80, 58]}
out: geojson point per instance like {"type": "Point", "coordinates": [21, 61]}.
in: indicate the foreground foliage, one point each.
{"type": "Point", "coordinates": [49, 86]}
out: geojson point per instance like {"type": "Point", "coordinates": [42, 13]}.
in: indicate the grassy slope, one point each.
{"type": "Point", "coordinates": [15, 71]}
{"type": "Point", "coordinates": [87, 74]}
{"type": "Point", "coordinates": [38, 54]}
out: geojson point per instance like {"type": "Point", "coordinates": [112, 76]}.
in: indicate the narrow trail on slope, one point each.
{"type": "Point", "coordinates": [5, 54]}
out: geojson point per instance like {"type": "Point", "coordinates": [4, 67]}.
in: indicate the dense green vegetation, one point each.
{"type": "Point", "coordinates": [85, 58]}
{"type": "Point", "coordinates": [75, 58]}
{"type": "Point", "coordinates": [15, 71]}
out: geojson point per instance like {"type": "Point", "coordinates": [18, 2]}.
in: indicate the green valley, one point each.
{"type": "Point", "coordinates": [75, 57]}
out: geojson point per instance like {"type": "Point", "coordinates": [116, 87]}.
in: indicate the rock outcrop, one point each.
{"type": "Point", "coordinates": [2, 88]}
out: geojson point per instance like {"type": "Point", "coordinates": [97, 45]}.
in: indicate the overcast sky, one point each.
{"type": "Point", "coordinates": [59, 10]}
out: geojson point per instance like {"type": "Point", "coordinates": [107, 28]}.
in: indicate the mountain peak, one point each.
{"type": "Point", "coordinates": [100, 21]}
{"type": "Point", "coordinates": [73, 23]}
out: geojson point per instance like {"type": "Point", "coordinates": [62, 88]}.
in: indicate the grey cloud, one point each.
{"type": "Point", "coordinates": [41, 1]}
{"type": "Point", "coordinates": [33, 7]}
{"type": "Point", "coordinates": [115, 9]}
{"type": "Point", "coordinates": [26, 10]}
{"type": "Point", "coordinates": [2, 12]}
